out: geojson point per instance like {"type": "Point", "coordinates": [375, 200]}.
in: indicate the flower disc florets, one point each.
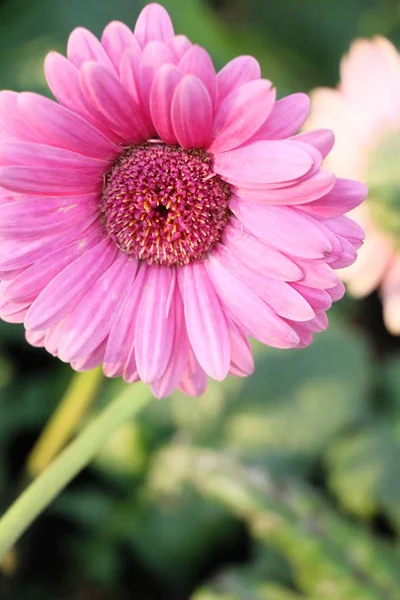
{"type": "Point", "coordinates": [164, 205]}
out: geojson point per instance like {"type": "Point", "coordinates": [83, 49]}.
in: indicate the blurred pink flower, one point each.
{"type": "Point", "coordinates": [159, 214]}
{"type": "Point", "coordinates": [364, 113]}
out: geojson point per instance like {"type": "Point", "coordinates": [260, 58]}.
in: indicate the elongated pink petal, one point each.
{"type": "Point", "coordinates": [15, 152]}
{"type": "Point", "coordinates": [28, 285]}
{"type": "Point", "coordinates": [179, 44]}
{"type": "Point", "coordinates": [344, 196]}
{"type": "Point", "coordinates": [242, 363]}
{"type": "Point", "coordinates": [93, 360]}
{"type": "Point", "coordinates": [248, 310]}
{"type": "Point", "coordinates": [153, 23]}
{"type": "Point", "coordinates": [317, 298]}
{"type": "Point", "coordinates": [52, 181]}
{"type": "Point", "coordinates": [283, 228]}
{"type": "Point", "coordinates": [279, 295]}
{"type": "Point", "coordinates": [107, 96]}
{"type": "Point", "coordinates": [263, 162]}
{"type": "Point", "coordinates": [191, 130]}
{"type": "Point", "coordinates": [206, 326]}
{"type": "Point", "coordinates": [235, 73]}
{"type": "Point", "coordinates": [317, 274]}
{"type": "Point", "coordinates": [164, 86]}
{"type": "Point", "coordinates": [122, 333]}
{"type": "Point", "coordinates": [194, 379]}
{"type": "Point", "coordinates": [196, 61]}
{"type": "Point", "coordinates": [286, 118]}
{"type": "Point", "coordinates": [129, 71]}
{"type": "Point", "coordinates": [91, 320]}
{"type": "Point", "coordinates": [337, 292]}
{"type": "Point", "coordinates": [259, 256]}
{"type": "Point", "coordinates": [322, 139]}
{"type": "Point", "coordinates": [116, 39]}
{"type": "Point", "coordinates": [10, 125]}
{"type": "Point", "coordinates": [347, 228]}
{"type": "Point", "coordinates": [154, 327]}
{"type": "Point", "coordinates": [35, 338]}
{"type": "Point", "coordinates": [179, 354]}
{"type": "Point", "coordinates": [64, 292]}
{"type": "Point", "coordinates": [155, 55]}
{"type": "Point", "coordinates": [63, 79]}
{"type": "Point", "coordinates": [83, 46]}
{"type": "Point", "coordinates": [29, 218]}
{"type": "Point", "coordinates": [241, 114]}
{"type": "Point", "coordinates": [58, 126]}
{"type": "Point", "coordinates": [300, 194]}
{"type": "Point", "coordinates": [17, 256]}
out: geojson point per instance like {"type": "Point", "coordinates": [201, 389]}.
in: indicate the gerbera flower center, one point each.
{"type": "Point", "coordinates": [383, 180]}
{"type": "Point", "coordinates": [164, 205]}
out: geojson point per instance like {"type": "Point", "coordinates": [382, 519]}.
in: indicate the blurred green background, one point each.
{"type": "Point", "coordinates": [284, 486]}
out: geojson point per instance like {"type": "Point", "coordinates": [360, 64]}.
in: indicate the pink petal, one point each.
{"type": "Point", "coordinates": [164, 86]}
{"type": "Point", "coordinates": [153, 23]}
{"type": "Point", "coordinates": [179, 44]}
{"type": "Point", "coordinates": [63, 293]}
{"type": "Point", "coordinates": [283, 228]}
{"type": "Point", "coordinates": [192, 129]}
{"type": "Point", "coordinates": [91, 320]}
{"type": "Point", "coordinates": [155, 55]}
{"type": "Point", "coordinates": [179, 354]}
{"type": "Point", "coordinates": [196, 61]}
{"type": "Point", "coordinates": [322, 139]}
{"type": "Point", "coordinates": [194, 380]}
{"type": "Point", "coordinates": [347, 228]}
{"type": "Point", "coordinates": [122, 333]}
{"type": "Point", "coordinates": [300, 194]}
{"type": "Point", "coordinates": [58, 126]}
{"type": "Point", "coordinates": [53, 336]}
{"type": "Point", "coordinates": [63, 80]}
{"type": "Point", "coordinates": [205, 321]}
{"type": "Point", "coordinates": [107, 96]}
{"type": "Point", "coordinates": [154, 327]}
{"type": "Point", "coordinates": [248, 310]}
{"type": "Point", "coordinates": [241, 114]}
{"type": "Point", "coordinates": [34, 180]}
{"type": "Point", "coordinates": [242, 363]}
{"type": "Point", "coordinates": [35, 217]}
{"type": "Point", "coordinates": [258, 255]}
{"type": "Point", "coordinates": [83, 46]}
{"type": "Point", "coordinates": [27, 286]}
{"type": "Point", "coordinates": [15, 152]}
{"type": "Point", "coordinates": [337, 292]}
{"type": "Point", "coordinates": [14, 255]}
{"type": "Point", "coordinates": [317, 274]}
{"type": "Point", "coordinates": [10, 125]}
{"type": "Point", "coordinates": [129, 73]}
{"type": "Point", "coordinates": [116, 39]}
{"type": "Point", "coordinates": [286, 118]}
{"type": "Point", "coordinates": [279, 295]}
{"type": "Point", "coordinates": [263, 162]}
{"type": "Point", "coordinates": [35, 338]}
{"type": "Point", "coordinates": [346, 195]}
{"type": "Point", "coordinates": [318, 299]}
{"type": "Point", "coordinates": [235, 73]}
{"type": "Point", "coordinates": [93, 360]}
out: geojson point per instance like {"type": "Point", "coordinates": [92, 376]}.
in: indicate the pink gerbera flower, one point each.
{"type": "Point", "coordinates": [365, 114]}
{"type": "Point", "coordinates": [158, 214]}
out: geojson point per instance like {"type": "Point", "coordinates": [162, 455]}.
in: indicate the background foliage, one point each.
{"type": "Point", "coordinates": [285, 486]}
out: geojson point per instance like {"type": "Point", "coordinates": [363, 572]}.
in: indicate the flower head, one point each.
{"type": "Point", "coordinates": [365, 114]}
{"type": "Point", "coordinates": [158, 214]}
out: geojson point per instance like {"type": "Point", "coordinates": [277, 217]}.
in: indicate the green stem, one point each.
{"type": "Point", "coordinates": [66, 466]}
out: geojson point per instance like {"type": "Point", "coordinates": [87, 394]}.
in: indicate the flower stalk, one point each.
{"type": "Point", "coordinates": [76, 456]}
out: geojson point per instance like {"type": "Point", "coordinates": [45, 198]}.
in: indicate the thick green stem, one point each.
{"type": "Point", "coordinates": [67, 465]}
